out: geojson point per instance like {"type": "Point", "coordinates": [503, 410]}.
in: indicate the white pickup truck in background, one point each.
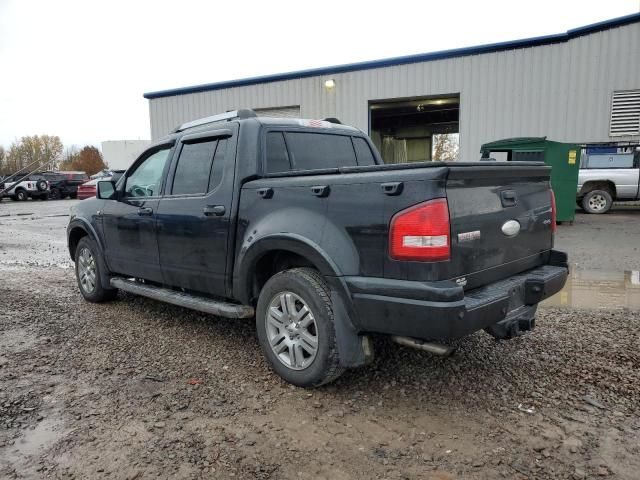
{"type": "Point", "coordinates": [605, 178]}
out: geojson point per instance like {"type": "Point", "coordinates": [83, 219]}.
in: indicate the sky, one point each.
{"type": "Point", "coordinates": [78, 69]}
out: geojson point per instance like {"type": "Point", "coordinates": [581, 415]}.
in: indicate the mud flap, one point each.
{"type": "Point", "coordinates": [105, 278]}
{"type": "Point", "coordinates": [354, 350]}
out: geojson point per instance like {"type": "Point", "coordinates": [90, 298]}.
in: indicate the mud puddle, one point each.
{"type": "Point", "coordinates": [34, 441]}
{"type": "Point", "coordinates": [598, 289]}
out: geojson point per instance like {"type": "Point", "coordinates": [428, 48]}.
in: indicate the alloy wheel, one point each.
{"type": "Point", "coordinates": [292, 330]}
{"type": "Point", "coordinates": [87, 270]}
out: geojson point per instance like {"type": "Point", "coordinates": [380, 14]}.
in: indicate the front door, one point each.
{"type": "Point", "coordinates": [194, 214]}
{"type": "Point", "coordinates": [129, 224]}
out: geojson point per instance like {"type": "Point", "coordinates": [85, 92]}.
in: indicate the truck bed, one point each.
{"type": "Point", "coordinates": [350, 220]}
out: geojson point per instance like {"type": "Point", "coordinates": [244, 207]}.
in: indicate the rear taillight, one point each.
{"type": "Point", "coordinates": [554, 226]}
{"type": "Point", "coordinates": [421, 232]}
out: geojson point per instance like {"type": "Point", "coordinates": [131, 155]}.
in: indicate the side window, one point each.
{"type": "Point", "coordinates": [146, 180]}
{"type": "Point", "coordinates": [363, 151]}
{"type": "Point", "coordinates": [277, 156]}
{"type": "Point", "coordinates": [311, 151]}
{"type": "Point", "coordinates": [218, 164]}
{"type": "Point", "coordinates": [194, 166]}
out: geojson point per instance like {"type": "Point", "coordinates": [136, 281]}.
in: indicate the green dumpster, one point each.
{"type": "Point", "coordinates": [564, 159]}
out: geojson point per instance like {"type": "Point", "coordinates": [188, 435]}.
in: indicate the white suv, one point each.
{"type": "Point", "coordinates": [20, 187]}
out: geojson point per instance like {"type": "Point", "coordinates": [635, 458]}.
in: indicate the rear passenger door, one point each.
{"type": "Point", "coordinates": [194, 214]}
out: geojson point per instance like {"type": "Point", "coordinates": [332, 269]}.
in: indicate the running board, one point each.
{"type": "Point", "coordinates": [194, 302]}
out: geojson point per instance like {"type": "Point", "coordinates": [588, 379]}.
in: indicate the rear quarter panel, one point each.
{"type": "Point", "coordinates": [624, 179]}
{"type": "Point", "coordinates": [349, 227]}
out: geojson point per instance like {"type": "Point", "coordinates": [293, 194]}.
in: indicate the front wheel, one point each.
{"type": "Point", "coordinates": [21, 195]}
{"type": "Point", "coordinates": [88, 264]}
{"type": "Point", "coordinates": [597, 201]}
{"type": "Point", "coordinates": [294, 320]}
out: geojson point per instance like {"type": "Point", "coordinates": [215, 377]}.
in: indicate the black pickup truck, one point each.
{"type": "Point", "coordinates": [300, 224]}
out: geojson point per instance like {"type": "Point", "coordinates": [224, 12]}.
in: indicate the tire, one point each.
{"type": "Point", "coordinates": [55, 194]}
{"type": "Point", "coordinates": [88, 260]}
{"type": "Point", "coordinates": [295, 361]}
{"type": "Point", "coordinates": [597, 201]}
{"type": "Point", "coordinates": [21, 195]}
{"type": "Point", "coordinates": [41, 185]}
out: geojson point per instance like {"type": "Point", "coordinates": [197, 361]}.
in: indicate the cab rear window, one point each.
{"type": "Point", "coordinates": [315, 151]}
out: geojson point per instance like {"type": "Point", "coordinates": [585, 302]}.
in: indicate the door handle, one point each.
{"type": "Point", "coordinates": [145, 211]}
{"type": "Point", "coordinates": [214, 210]}
{"type": "Point", "coordinates": [392, 188]}
{"type": "Point", "coordinates": [320, 190]}
{"type": "Point", "coordinates": [265, 192]}
{"type": "Point", "coordinates": [508, 198]}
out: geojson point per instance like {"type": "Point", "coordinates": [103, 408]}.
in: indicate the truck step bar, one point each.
{"type": "Point", "coordinates": [187, 300]}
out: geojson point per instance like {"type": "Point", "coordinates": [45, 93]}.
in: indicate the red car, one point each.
{"type": "Point", "coordinates": [88, 189]}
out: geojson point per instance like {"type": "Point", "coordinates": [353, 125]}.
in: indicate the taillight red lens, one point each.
{"type": "Point", "coordinates": [421, 232]}
{"type": "Point", "coordinates": [554, 226]}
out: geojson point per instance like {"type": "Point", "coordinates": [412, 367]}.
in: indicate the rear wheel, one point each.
{"type": "Point", "coordinates": [294, 320]}
{"type": "Point", "coordinates": [55, 194]}
{"type": "Point", "coordinates": [88, 264]}
{"type": "Point", "coordinates": [597, 201]}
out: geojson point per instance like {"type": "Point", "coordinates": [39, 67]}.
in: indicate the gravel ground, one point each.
{"type": "Point", "coordinates": [140, 389]}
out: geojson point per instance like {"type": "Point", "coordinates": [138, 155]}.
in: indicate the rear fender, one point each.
{"type": "Point", "coordinates": [351, 346]}
{"type": "Point", "coordinates": [253, 250]}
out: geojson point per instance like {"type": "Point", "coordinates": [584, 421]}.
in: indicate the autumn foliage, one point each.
{"type": "Point", "coordinates": [89, 160]}
{"type": "Point", "coordinates": [31, 153]}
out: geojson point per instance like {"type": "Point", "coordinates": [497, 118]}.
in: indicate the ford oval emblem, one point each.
{"type": "Point", "coordinates": [511, 228]}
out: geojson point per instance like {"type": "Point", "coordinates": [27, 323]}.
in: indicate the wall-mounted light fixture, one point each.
{"type": "Point", "coordinates": [330, 83]}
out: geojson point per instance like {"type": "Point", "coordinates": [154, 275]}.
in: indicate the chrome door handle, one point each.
{"type": "Point", "coordinates": [145, 211]}
{"type": "Point", "coordinates": [214, 210]}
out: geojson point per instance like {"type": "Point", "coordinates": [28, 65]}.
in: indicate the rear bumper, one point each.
{"type": "Point", "coordinates": [443, 310]}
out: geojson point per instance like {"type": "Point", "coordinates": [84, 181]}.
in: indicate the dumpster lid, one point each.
{"type": "Point", "coordinates": [507, 143]}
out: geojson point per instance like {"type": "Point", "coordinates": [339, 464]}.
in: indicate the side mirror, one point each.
{"type": "Point", "coordinates": [106, 190]}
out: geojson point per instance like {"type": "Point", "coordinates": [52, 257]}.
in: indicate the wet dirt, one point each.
{"type": "Point", "coordinates": [139, 389]}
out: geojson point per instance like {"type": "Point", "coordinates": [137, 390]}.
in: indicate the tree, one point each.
{"type": "Point", "coordinates": [37, 152]}
{"type": "Point", "coordinates": [2, 159]}
{"type": "Point", "coordinates": [445, 147]}
{"type": "Point", "coordinates": [70, 155]}
{"type": "Point", "coordinates": [89, 160]}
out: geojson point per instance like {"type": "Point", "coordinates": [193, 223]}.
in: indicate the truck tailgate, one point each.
{"type": "Point", "coordinates": [501, 220]}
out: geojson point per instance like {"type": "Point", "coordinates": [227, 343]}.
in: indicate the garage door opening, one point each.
{"type": "Point", "coordinates": [416, 129]}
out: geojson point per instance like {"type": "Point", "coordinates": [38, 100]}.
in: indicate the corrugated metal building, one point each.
{"type": "Point", "coordinates": [579, 86]}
